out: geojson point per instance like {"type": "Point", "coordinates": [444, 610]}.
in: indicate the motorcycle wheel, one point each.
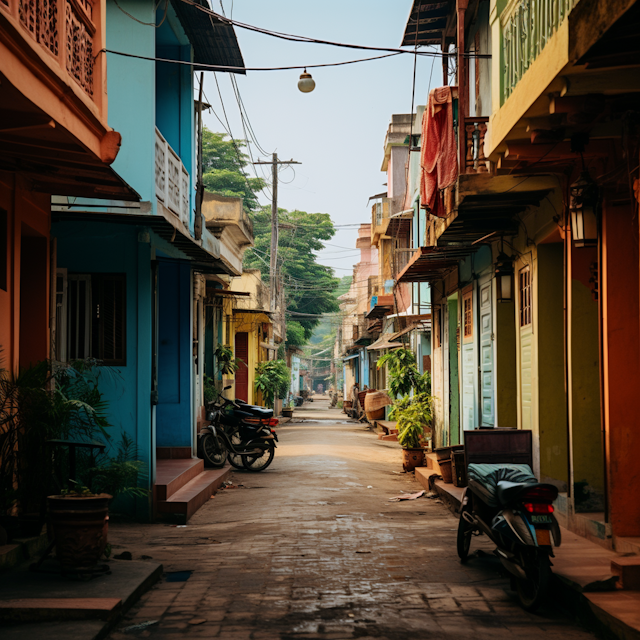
{"type": "Point", "coordinates": [213, 450]}
{"type": "Point", "coordinates": [463, 541]}
{"type": "Point", "coordinates": [234, 459]}
{"type": "Point", "coordinates": [262, 461]}
{"type": "Point", "coordinates": [533, 590]}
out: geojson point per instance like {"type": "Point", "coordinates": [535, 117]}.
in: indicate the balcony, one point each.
{"type": "Point", "coordinates": [65, 35]}
{"type": "Point", "coordinates": [226, 219]}
{"type": "Point", "coordinates": [172, 181]}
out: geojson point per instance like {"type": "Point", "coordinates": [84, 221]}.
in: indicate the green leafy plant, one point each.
{"type": "Point", "coordinates": [120, 474]}
{"type": "Point", "coordinates": [226, 363]}
{"type": "Point", "coordinates": [210, 392]}
{"type": "Point", "coordinates": [404, 375]}
{"type": "Point", "coordinates": [413, 415]}
{"type": "Point", "coordinates": [272, 379]}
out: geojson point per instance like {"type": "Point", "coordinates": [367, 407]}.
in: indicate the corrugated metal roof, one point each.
{"type": "Point", "coordinates": [214, 42]}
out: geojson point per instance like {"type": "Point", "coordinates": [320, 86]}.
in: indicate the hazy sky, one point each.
{"type": "Point", "coordinates": [338, 130]}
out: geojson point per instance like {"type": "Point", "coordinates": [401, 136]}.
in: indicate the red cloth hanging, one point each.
{"type": "Point", "coordinates": [439, 155]}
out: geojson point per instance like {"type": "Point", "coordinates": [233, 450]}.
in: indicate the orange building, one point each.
{"type": "Point", "coordinates": [54, 139]}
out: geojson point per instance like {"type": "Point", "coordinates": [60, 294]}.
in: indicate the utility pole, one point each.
{"type": "Point", "coordinates": [273, 263]}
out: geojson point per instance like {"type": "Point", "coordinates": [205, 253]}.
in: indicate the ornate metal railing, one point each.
{"type": "Point", "coordinates": [527, 26]}
{"type": "Point", "coordinates": [172, 180]}
{"type": "Point", "coordinates": [65, 29]}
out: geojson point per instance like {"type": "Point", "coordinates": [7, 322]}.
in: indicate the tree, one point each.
{"type": "Point", "coordinates": [309, 286]}
{"type": "Point", "coordinates": [224, 169]}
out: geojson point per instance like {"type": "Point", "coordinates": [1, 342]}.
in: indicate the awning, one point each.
{"type": "Point", "coordinates": [355, 355]}
{"type": "Point", "coordinates": [214, 42]}
{"type": "Point", "coordinates": [385, 342]}
{"type": "Point", "coordinates": [271, 347]}
{"type": "Point", "coordinates": [431, 263]}
{"type": "Point", "coordinates": [429, 19]}
{"type": "Point", "coordinates": [169, 228]}
{"type": "Point", "coordinates": [225, 292]}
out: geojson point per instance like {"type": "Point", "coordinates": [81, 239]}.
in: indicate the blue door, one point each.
{"type": "Point", "coordinates": [173, 413]}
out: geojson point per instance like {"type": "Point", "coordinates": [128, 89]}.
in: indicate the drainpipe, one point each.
{"type": "Point", "coordinates": [603, 429]}
{"type": "Point", "coordinates": [463, 87]}
{"type": "Point", "coordinates": [565, 331]}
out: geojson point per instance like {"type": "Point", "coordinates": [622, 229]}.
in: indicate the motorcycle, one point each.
{"type": "Point", "coordinates": [508, 504]}
{"type": "Point", "coordinates": [240, 433]}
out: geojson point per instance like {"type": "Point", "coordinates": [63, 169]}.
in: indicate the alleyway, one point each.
{"type": "Point", "coordinates": [312, 548]}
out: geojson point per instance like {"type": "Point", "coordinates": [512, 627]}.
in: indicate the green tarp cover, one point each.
{"type": "Point", "coordinates": [483, 479]}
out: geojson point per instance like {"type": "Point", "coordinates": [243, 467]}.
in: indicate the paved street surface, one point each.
{"type": "Point", "coordinates": [313, 548]}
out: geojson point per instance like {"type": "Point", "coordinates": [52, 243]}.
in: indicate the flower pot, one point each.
{"type": "Point", "coordinates": [80, 525]}
{"type": "Point", "coordinates": [445, 471]}
{"type": "Point", "coordinates": [412, 458]}
{"type": "Point", "coordinates": [287, 412]}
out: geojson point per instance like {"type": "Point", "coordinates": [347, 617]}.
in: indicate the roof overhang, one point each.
{"type": "Point", "coordinates": [431, 263]}
{"type": "Point", "coordinates": [427, 22]}
{"type": "Point", "coordinates": [205, 251]}
{"type": "Point", "coordinates": [214, 41]}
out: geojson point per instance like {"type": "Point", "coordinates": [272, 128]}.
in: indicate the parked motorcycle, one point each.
{"type": "Point", "coordinates": [240, 433]}
{"type": "Point", "coordinates": [508, 504]}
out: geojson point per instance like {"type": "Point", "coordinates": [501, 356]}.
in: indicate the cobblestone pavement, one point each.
{"type": "Point", "coordinates": [313, 548]}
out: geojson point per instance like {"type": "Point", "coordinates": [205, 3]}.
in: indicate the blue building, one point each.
{"type": "Point", "coordinates": [132, 274]}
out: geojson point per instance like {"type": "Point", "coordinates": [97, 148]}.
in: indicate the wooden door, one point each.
{"type": "Point", "coordinates": [487, 397]}
{"type": "Point", "coordinates": [242, 374]}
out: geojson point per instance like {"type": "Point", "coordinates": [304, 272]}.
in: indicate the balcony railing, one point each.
{"type": "Point", "coordinates": [172, 180]}
{"type": "Point", "coordinates": [475, 131]}
{"type": "Point", "coordinates": [65, 29]}
{"type": "Point", "coordinates": [526, 29]}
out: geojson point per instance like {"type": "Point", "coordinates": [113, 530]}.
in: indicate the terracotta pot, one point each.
{"type": "Point", "coordinates": [376, 400]}
{"type": "Point", "coordinates": [287, 413]}
{"type": "Point", "coordinates": [412, 458]}
{"type": "Point", "coordinates": [80, 526]}
{"type": "Point", "coordinates": [378, 414]}
{"type": "Point", "coordinates": [445, 470]}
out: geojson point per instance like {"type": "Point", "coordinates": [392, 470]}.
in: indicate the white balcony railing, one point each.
{"type": "Point", "coordinates": [172, 180]}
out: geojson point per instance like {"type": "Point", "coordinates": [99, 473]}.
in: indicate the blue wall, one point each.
{"type": "Point", "coordinates": [173, 425]}
{"type": "Point", "coordinates": [93, 247]}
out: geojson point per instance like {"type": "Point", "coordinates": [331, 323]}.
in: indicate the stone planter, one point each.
{"type": "Point", "coordinates": [80, 526]}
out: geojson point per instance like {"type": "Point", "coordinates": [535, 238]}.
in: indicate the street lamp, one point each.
{"type": "Point", "coordinates": [583, 206]}
{"type": "Point", "coordinates": [504, 277]}
{"type": "Point", "coordinates": [306, 84]}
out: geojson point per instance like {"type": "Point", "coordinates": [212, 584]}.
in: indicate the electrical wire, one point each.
{"type": "Point", "coordinates": [201, 66]}
{"type": "Point", "coordinates": [306, 39]}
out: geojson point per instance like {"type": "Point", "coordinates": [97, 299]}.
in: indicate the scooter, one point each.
{"type": "Point", "coordinates": [240, 433]}
{"type": "Point", "coordinates": [509, 505]}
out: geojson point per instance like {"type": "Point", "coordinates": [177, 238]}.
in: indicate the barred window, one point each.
{"type": "Point", "coordinates": [525, 296]}
{"type": "Point", "coordinates": [467, 315]}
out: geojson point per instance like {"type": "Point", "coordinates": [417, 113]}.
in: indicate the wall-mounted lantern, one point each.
{"type": "Point", "coordinates": [584, 207]}
{"type": "Point", "coordinates": [306, 84]}
{"type": "Point", "coordinates": [504, 277]}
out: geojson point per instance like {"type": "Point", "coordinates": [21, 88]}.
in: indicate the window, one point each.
{"type": "Point", "coordinates": [95, 317]}
{"type": "Point", "coordinates": [467, 315]}
{"type": "Point", "coordinates": [525, 296]}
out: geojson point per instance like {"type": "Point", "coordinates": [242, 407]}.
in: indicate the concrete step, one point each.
{"type": "Point", "coordinates": [180, 506]}
{"type": "Point", "coordinates": [41, 609]}
{"type": "Point", "coordinates": [432, 462]}
{"type": "Point", "coordinates": [172, 475]}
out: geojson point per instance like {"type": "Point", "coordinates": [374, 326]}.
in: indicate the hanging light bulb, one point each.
{"type": "Point", "coordinates": [306, 84]}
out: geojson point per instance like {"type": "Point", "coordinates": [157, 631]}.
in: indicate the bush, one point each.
{"type": "Point", "coordinates": [273, 379]}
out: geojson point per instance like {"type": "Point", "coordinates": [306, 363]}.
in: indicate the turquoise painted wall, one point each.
{"type": "Point", "coordinates": [132, 93]}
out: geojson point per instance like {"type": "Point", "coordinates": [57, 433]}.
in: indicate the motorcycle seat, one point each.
{"type": "Point", "coordinates": [509, 491]}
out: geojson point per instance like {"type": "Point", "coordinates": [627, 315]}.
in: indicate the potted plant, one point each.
{"type": "Point", "coordinates": [413, 415]}
{"type": "Point", "coordinates": [272, 380]}
{"type": "Point", "coordinates": [79, 516]}
{"type": "Point", "coordinates": [287, 412]}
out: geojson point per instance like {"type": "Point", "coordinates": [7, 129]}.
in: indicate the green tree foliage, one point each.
{"type": "Point", "coordinates": [273, 379]}
{"type": "Point", "coordinates": [224, 169]}
{"type": "Point", "coordinates": [309, 286]}
{"type": "Point", "coordinates": [404, 375]}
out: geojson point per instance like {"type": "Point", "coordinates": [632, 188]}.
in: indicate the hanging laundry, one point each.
{"type": "Point", "coordinates": [438, 156]}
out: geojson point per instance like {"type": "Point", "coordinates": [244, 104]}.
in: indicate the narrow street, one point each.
{"type": "Point", "coordinates": [313, 548]}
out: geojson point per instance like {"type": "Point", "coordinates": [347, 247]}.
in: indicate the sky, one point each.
{"type": "Point", "coordinates": [337, 132]}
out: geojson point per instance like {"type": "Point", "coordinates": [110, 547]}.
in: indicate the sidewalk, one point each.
{"type": "Point", "coordinates": [586, 582]}
{"type": "Point", "coordinates": [48, 605]}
